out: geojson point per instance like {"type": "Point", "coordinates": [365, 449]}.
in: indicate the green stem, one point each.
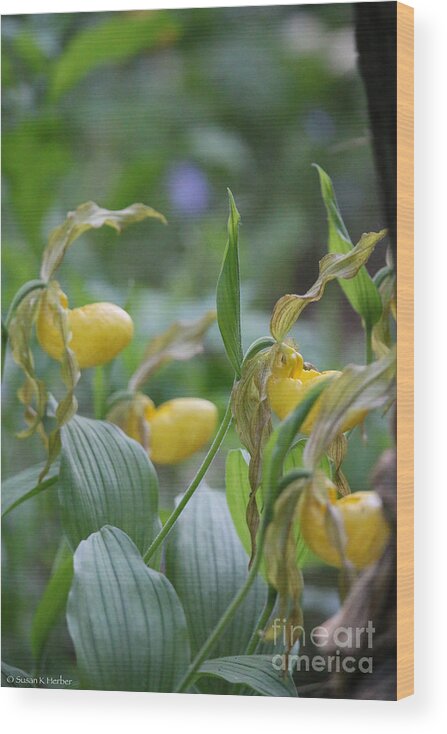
{"type": "Point", "coordinates": [219, 437]}
{"type": "Point", "coordinates": [264, 617]}
{"type": "Point", "coordinates": [276, 450]}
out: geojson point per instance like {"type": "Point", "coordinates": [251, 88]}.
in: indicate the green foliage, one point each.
{"type": "Point", "coordinates": [123, 107]}
{"type": "Point", "coordinates": [207, 566]}
{"type": "Point", "coordinates": [35, 157]}
{"type": "Point", "coordinates": [105, 478]}
{"type": "Point", "coordinates": [125, 619]}
{"type": "Point", "coordinates": [255, 671]}
{"type": "Point", "coordinates": [342, 266]}
{"type": "Point", "coordinates": [228, 297]}
{"type": "Point", "coordinates": [89, 216]}
{"type": "Point", "coordinates": [115, 40]}
{"type": "Point", "coordinates": [361, 291]}
{"type": "Point", "coordinates": [25, 485]}
{"type": "Point", "coordinates": [53, 602]}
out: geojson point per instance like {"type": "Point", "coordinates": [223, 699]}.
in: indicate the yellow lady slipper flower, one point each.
{"type": "Point", "coordinates": [99, 331]}
{"type": "Point", "coordinates": [289, 384]}
{"type": "Point", "coordinates": [363, 521]}
{"type": "Point", "coordinates": [173, 431]}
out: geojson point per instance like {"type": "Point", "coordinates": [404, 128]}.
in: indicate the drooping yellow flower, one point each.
{"type": "Point", "coordinates": [290, 383]}
{"type": "Point", "coordinates": [99, 331]}
{"type": "Point", "coordinates": [364, 525]}
{"type": "Point", "coordinates": [173, 431]}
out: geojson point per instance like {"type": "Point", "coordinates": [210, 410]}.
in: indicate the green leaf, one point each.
{"type": "Point", "coordinates": [24, 485]}
{"type": "Point", "coordinates": [53, 602]}
{"type": "Point", "coordinates": [16, 678]}
{"type": "Point", "coordinates": [228, 296]}
{"type": "Point", "coordinates": [207, 565]}
{"type": "Point", "coordinates": [115, 40]}
{"type": "Point", "coordinates": [125, 619]}
{"type": "Point", "coordinates": [256, 671]}
{"type": "Point", "coordinates": [181, 341]}
{"type": "Point", "coordinates": [361, 291]}
{"type": "Point", "coordinates": [85, 217]}
{"type": "Point", "coordinates": [334, 265]}
{"type": "Point", "coordinates": [106, 478]}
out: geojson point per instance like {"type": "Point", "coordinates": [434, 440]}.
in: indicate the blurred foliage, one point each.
{"type": "Point", "coordinates": [170, 108]}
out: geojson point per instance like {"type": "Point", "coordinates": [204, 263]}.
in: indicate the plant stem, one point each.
{"type": "Point", "coordinates": [264, 617]}
{"type": "Point", "coordinates": [275, 453]}
{"type": "Point", "coordinates": [219, 437]}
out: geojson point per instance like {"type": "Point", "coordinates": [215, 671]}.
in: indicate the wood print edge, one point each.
{"type": "Point", "coordinates": [405, 352]}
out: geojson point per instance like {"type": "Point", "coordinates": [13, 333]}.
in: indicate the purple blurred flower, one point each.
{"type": "Point", "coordinates": [188, 189]}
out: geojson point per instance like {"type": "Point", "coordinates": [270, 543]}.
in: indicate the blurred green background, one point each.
{"type": "Point", "coordinates": [170, 108]}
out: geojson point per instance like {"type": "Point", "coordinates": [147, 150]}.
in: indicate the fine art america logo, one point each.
{"type": "Point", "coordinates": [341, 641]}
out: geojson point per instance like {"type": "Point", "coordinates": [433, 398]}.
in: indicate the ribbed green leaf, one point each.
{"type": "Point", "coordinates": [207, 565]}
{"type": "Point", "coordinates": [125, 619]}
{"type": "Point", "coordinates": [114, 40]}
{"type": "Point", "coordinates": [361, 291]}
{"type": "Point", "coordinates": [24, 485]}
{"type": "Point", "coordinates": [53, 602]}
{"type": "Point", "coordinates": [228, 297]}
{"type": "Point", "coordinates": [106, 478]}
{"type": "Point", "coordinates": [255, 671]}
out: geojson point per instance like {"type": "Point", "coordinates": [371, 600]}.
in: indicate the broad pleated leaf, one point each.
{"type": "Point", "coordinates": [125, 619]}
{"type": "Point", "coordinates": [207, 565]}
{"type": "Point", "coordinates": [106, 478]}
{"type": "Point", "coordinates": [361, 291]}
{"type": "Point", "coordinates": [24, 485]}
{"type": "Point", "coordinates": [256, 671]}
{"type": "Point", "coordinates": [53, 602]}
{"type": "Point", "coordinates": [228, 293]}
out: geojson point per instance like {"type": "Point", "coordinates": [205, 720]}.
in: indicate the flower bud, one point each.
{"type": "Point", "coordinates": [170, 433]}
{"type": "Point", "coordinates": [364, 526]}
{"type": "Point", "coordinates": [99, 331]}
{"type": "Point", "coordinates": [179, 428]}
